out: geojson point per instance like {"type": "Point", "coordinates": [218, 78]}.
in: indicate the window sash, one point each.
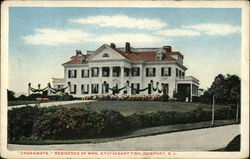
{"type": "Point", "coordinates": [73, 89]}
{"type": "Point", "coordinates": [85, 89]}
{"type": "Point", "coordinates": [150, 72]}
{"type": "Point", "coordinates": [95, 72]}
{"type": "Point", "coordinates": [166, 71]}
{"type": "Point", "coordinates": [72, 73]}
{"type": "Point", "coordinates": [95, 88]}
{"type": "Point", "coordinates": [85, 73]}
{"type": "Point", "coordinates": [135, 71]}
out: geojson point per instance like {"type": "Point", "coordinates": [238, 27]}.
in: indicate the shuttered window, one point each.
{"type": "Point", "coordinates": [135, 71]}
{"type": "Point", "coordinates": [85, 89]}
{"type": "Point", "coordinates": [94, 88]}
{"type": "Point", "coordinates": [72, 73]}
{"type": "Point", "coordinates": [166, 71]}
{"type": "Point", "coordinates": [150, 72]}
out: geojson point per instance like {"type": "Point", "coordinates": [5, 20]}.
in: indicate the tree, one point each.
{"type": "Point", "coordinates": [224, 90]}
{"type": "Point", "coordinates": [11, 95]}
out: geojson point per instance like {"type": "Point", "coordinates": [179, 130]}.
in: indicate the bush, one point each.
{"type": "Point", "coordinates": [22, 97]}
{"type": "Point", "coordinates": [66, 123]}
{"type": "Point", "coordinates": [234, 145]}
{"type": "Point", "coordinates": [21, 121]}
{"type": "Point", "coordinates": [113, 123]}
{"type": "Point", "coordinates": [164, 98]}
{"type": "Point", "coordinates": [195, 99]}
{"type": "Point", "coordinates": [34, 96]}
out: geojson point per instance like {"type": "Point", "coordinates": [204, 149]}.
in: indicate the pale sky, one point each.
{"type": "Point", "coordinates": [42, 38]}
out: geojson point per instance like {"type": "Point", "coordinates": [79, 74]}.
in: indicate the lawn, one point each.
{"type": "Point", "coordinates": [130, 107]}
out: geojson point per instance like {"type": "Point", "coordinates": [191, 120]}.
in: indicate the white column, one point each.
{"type": "Point", "coordinates": [90, 80]}
{"type": "Point", "coordinates": [141, 78]}
{"type": "Point", "coordinates": [122, 79]}
{"type": "Point", "coordinates": [48, 93]}
{"type": "Point", "coordinates": [191, 91]}
{"type": "Point", "coordinates": [69, 88]}
{"type": "Point", "coordinates": [100, 83]}
{"type": "Point", "coordinates": [29, 85]}
{"type": "Point", "coordinates": [110, 79]}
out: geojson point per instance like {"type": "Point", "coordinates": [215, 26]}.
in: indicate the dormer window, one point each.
{"type": "Point", "coordinates": [80, 58]}
{"type": "Point", "coordinates": [105, 55]}
{"type": "Point", "coordinates": [159, 55]}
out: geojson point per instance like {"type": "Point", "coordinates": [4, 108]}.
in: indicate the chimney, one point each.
{"type": "Point", "coordinates": [112, 45]}
{"type": "Point", "coordinates": [127, 47]}
{"type": "Point", "coordinates": [167, 48]}
{"type": "Point", "coordinates": [78, 52]}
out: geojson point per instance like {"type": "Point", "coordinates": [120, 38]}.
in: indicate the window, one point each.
{"type": "Point", "coordinates": [105, 55]}
{"type": "Point", "coordinates": [183, 74]}
{"type": "Point", "coordinates": [95, 72]}
{"type": "Point", "coordinates": [85, 89]}
{"type": "Point", "coordinates": [135, 88]}
{"type": "Point", "coordinates": [135, 71]}
{"type": "Point", "coordinates": [105, 72]}
{"type": "Point", "coordinates": [85, 73]}
{"type": "Point", "coordinates": [177, 72]}
{"type": "Point", "coordinates": [94, 88]}
{"type": "Point", "coordinates": [126, 72]}
{"type": "Point", "coordinates": [159, 56]}
{"type": "Point", "coordinates": [166, 71]}
{"type": "Point", "coordinates": [165, 86]}
{"type": "Point", "coordinates": [150, 72]}
{"type": "Point", "coordinates": [116, 71]}
{"type": "Point", "coordinates": [72, 74]}
{"type": "Point", "coordinates": [73, 89]}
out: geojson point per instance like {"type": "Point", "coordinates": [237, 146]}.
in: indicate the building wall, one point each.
{"type": "Point", "coordinates": [115, 59]}
{"type": "Point", "coordinates": [143, 80]}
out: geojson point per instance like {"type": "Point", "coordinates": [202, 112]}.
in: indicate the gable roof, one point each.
{"type": "Point", "coordinates": [146, 56]}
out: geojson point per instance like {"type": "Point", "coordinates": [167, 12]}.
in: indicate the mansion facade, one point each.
{"type": "Point", "coordinates": [127, 69]}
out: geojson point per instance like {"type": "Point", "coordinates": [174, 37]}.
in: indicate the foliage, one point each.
{"type": "Point", "coordinates": [22, 97]}
{"type": "Point", "coordinates": [226, 88]}
{"type": "Point", "coordinates": [164, 98]}
{"type": "Point", "coordinates": [74, 122]}
{"type": "Point", "coordinates": [113, 123]}
{"type": "Point", "coordinates": [234, 145]}
{"type": "Point", "coordinates": [11, 95]}
{"type": "Point", "coordinates": [66, 123]}
{"type": "Point", "coordinates": [21, 121]}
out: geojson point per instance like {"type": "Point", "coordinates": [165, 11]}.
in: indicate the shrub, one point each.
{"type": "Point", "coordinates": [164, 97]}
{"type": "Point", "coordinates": [113, 123]}
{"type": "Point", "coordinates": [22, 97]}
{"type": "Point", "coordinates": [63, 123]}
{"type": "Point", "coordinates": [195, 99]}
{"type": "Point", "coordinates": [66, 123]}
{"type": "Point", "coordinates": [21, 121]}
{"type": "Point", "coordinates": [34, 96]}
{"type": "Point", "coordinates": [234, 145]}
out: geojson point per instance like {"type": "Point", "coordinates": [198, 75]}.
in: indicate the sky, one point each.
{"type": "Point", "coordinates": [42, 38]}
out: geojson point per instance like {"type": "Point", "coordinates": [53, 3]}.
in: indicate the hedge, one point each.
{"type": "Point", "coordinates": [71, 123]}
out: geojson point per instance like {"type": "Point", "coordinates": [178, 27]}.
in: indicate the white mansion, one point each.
{"type": "Point", "coordinates": [129, 68]}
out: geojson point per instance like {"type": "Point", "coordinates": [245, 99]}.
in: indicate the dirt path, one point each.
{"type": "Point", "coordinates": [193, 140]}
